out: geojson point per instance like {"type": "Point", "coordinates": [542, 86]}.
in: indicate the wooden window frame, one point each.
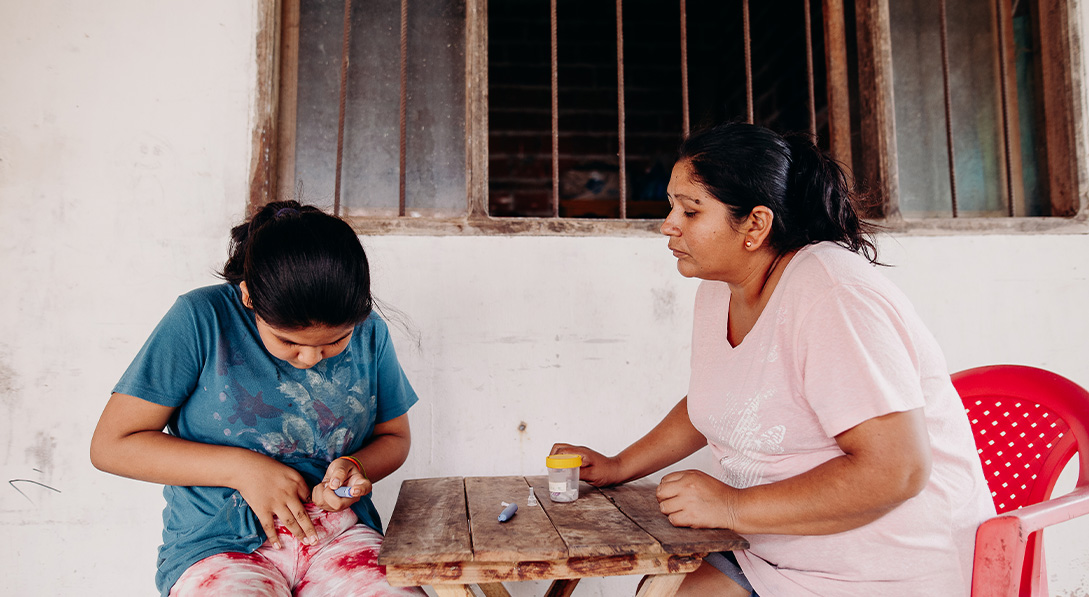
{"type": "Point", "coordinates": [273, 136]}
{"type": "Point", "coordinates": [1061, 95]}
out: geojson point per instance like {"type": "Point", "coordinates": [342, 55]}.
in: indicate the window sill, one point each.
{"type": "Point", "coordinates": [1078, 224]}
{"type": "Point", "coordinates": [489, 226]}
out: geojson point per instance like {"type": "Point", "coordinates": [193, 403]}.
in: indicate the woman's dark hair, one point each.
{"type": "Point", "coordinates": [302, 267]}
{"type": "Point", "coordinates": [745, 166]}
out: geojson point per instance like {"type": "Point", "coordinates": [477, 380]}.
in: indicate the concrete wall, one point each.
{"type": "Point", "coordinates": [124, 154]}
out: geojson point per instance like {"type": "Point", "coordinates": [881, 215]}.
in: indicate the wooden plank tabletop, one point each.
{"type": "Point", "coordinates": [429, 524]}
{"type": "Point", "coordinates": [529, 536]}
{"type": "Point", "coordinates": [452, 521]}
{"type": "Point", "coordinates": [636, 500]}
{"type": "Point", "coordinates": [592, 525]}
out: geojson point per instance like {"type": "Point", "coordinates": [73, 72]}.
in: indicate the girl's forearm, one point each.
{"type": "Point", "coordinates": [158, 457]}
{"type": "Point", "coordinates": [382, 456]}
{"type": "Point", "coordinates": [387, 449]}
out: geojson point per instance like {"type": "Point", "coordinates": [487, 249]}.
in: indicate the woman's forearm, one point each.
{"type": "Point", "coordinates": [885, 462]}
{"type": "Point", "coordinates": [670, 441]}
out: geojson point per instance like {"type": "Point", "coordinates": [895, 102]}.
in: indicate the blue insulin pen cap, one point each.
{"type": "Point", "coordinates": [508, 512]}
{"type": "Point", "coordinates": [343, 491]}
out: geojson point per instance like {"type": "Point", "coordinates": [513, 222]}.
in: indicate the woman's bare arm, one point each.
{"type": "Point", "coordinates": [886, 461]}
{"type": "Point", "coordinates": [671, 440]}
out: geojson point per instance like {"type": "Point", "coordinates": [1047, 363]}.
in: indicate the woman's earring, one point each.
{"type": "Point", "coordinates": [748, 243]}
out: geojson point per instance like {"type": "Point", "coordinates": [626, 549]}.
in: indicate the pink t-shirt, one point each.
{"type": "Point", "coordinates": [836, 345]}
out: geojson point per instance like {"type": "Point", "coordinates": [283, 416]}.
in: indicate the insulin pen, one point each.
{"type": "Point", "coordinates": [508, 512]}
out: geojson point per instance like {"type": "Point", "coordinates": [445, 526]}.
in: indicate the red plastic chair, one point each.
{"type": "Point", "coordinates": [1028, 423]}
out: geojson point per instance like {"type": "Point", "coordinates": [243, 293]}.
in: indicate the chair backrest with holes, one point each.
{"type": "Point", "coordinates": [1026, 422]}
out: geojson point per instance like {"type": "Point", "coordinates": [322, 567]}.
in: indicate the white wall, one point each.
{"type": "Point", "coordinates": [124, 155]}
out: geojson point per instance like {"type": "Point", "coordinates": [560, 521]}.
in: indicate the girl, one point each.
{"type": "Point", "coordinates": [276, 389]}
{"type": "Point", "coordinates": [845, 456]}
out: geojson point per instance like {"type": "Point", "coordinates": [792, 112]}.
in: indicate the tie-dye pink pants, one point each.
{"type": "Point", "coordinates": [343, 563]}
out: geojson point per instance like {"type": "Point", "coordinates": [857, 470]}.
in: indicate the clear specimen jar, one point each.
{"type": "Point", "coordinates": [563, 477]}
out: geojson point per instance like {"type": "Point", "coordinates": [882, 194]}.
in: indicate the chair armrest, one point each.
{"type": "Point", "coordinates": [1000, 541]}
{"type": "Point", "coordinates": [1052, 511]}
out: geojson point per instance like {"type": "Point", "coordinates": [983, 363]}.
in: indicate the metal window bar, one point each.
{"type": "Point", "coordinates": [684, 68]}
{"type": "Point", "coordinates": [811, 99]}
{"type": "Point", "coordinates": [620, 107]}
{"type": "Point", "coordinates": [402, 110]}
{"type": "Point", "coordinates": [344, 54]}
{"type": "Point", "coordinates": [1008, 100]}
{"type": "Point", "coordinates": [748, 60]}
{"type": "Point", "coordinates": [402, 105]}
{"type": "Point", "coordinates": [555, 118]}
{"type": "Point", "coordinates": [835, 55]}
{"type": "Point", "coordinates": [1002, 15]}
{"type": "Point", "coordinates": [944, 34]}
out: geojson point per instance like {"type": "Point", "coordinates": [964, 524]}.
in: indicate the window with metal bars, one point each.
{"type": "Point", "coordinates": [562, 116]}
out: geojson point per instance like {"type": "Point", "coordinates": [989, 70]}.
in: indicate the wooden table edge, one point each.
{"type": "Point", "coordinates": [472, 572]}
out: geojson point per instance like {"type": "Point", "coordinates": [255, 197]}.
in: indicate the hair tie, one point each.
{"type": "Point", "coordinates": [286, 211]}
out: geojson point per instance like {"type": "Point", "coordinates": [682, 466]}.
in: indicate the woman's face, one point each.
{"type": "Point", "coordinates": [701, 234]}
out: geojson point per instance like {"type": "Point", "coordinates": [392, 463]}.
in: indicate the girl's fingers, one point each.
{"type": "Point", "coordinates": [298, 522]}
{"type": "Point", "coordinates": [270, 531]}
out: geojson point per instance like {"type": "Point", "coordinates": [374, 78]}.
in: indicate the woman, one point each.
{"type": "Point", "coordinates": [845, 456]}
{"type": "Point", "coordinates": [283, 402]}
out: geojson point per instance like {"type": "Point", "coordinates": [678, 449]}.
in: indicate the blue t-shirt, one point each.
{"type": "Point", "coordinates": [206, 359]}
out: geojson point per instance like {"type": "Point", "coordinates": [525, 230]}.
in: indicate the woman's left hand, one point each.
{"type": "Point", "coordinates": [341, 473]}
{"type": "Point", "coordinates": [696, 499]}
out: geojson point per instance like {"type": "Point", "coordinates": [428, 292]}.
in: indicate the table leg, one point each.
{"type": "Point", "coordinates": [453, 590]}
{"type": "Point", "coordinates": [562, 587]}
{"type": "Point", "coordinates": [661, 585]}
{"type": "Point", "coordinates": [493, 589]}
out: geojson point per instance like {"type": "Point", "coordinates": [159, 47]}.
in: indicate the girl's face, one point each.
{"type": "Point", "coordinates": [701, 234]}
{"type": "Point", "coordinates": [306, 347]}
{"type": "Point", "coordinates": [301, 348]}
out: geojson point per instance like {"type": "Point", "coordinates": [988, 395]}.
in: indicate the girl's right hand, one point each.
{"type": "Point", "coordinates": [275, 490]}
{"type": "Point", "coordinates": [597, 469]}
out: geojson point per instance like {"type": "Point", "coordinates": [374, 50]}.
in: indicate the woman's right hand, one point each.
{"type": "Point", "coordinates": [597, 469]}
{"type": "Point", "coordinates": [275, 490]}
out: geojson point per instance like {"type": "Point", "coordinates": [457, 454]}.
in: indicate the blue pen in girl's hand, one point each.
{"type": "Point", "coordinates": [343, 491]}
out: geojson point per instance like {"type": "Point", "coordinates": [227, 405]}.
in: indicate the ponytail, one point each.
{"type": "Point", "coordinates": [234, 270]}
{"type": "Point", "coordinates": [745, 166]}
{"type": "Point", "coordinates": [820, 203]}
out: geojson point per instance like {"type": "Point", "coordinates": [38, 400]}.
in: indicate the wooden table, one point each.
{"type": "Point", "coordinates": [444, 532]}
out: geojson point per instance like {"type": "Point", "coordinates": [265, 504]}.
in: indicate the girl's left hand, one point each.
{"type": "Point", "coordinates": [341, 473]}
{"type": "Point", "coordinates": [696, 499]}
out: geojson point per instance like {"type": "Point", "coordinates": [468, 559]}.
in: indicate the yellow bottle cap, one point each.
{"type": "Point", "coordinates": [563, 461]}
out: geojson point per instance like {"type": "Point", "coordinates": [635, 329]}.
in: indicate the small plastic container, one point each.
{"type": "Point", "coordinates": [563, 477]}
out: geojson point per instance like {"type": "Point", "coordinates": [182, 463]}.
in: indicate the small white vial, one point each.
{"type": "Point", "coordinates": [563, 477]}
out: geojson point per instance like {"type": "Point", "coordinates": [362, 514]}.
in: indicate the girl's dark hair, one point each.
{"type": "Point", "coordinates": [302, 267]}
{"type": "Point", "coordinates": [745, 166]}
